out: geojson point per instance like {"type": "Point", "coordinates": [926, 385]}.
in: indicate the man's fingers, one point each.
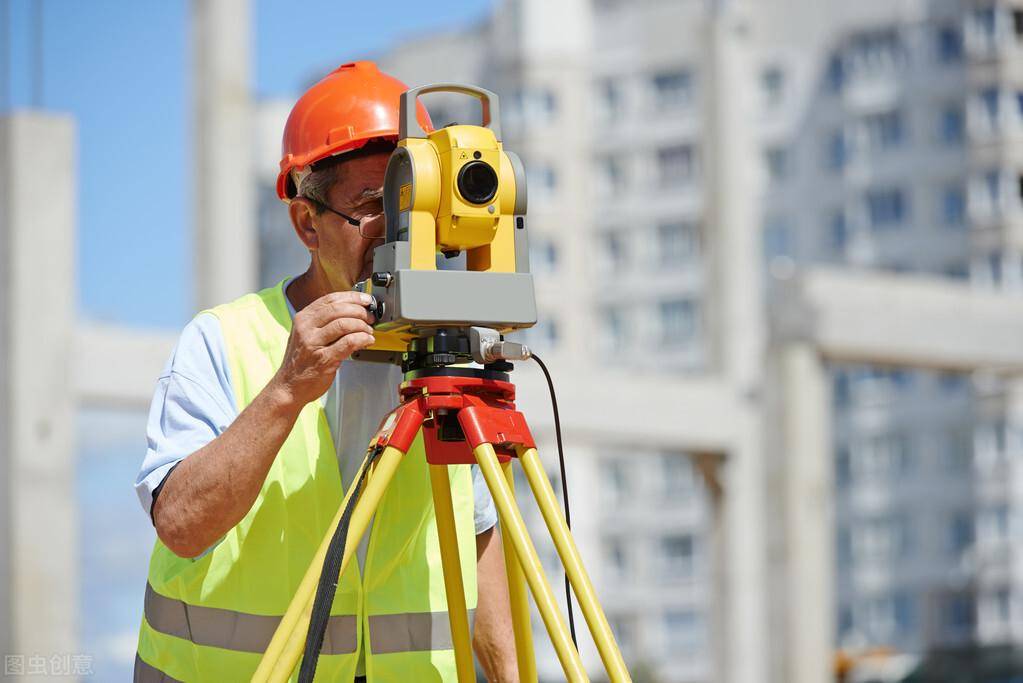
{"type": "Point", "coordinates": [349, 344]}
{"type": "Point", "coordinates": [326, 314]}
{"type": "Point", "coordinates": [338, 328]}
{"type": "Point", "coordinates": [337, 305]}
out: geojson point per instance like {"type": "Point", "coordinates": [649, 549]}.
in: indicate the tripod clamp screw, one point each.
{"type": "Point", "coordinates": [487, 346]}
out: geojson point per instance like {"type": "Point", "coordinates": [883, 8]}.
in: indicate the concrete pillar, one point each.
{"type": "Point", "coordinates": [226, 242]}
{"type": "Point", "coordinates": [806, 515]}
{"type": "Point", "coordinates": [38, 534]}
{"type": "Point", "coordinates": [734, 320]}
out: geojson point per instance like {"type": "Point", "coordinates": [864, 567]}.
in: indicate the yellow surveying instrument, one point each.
{"type": "Point", "coordinates": [452, 191]}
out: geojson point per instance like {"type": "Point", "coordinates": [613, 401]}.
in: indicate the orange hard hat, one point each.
{"type": "Point", "coordinates": [354, 104]}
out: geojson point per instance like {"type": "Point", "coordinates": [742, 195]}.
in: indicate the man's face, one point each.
{"type": "Point", "coordinates": [345, 256]}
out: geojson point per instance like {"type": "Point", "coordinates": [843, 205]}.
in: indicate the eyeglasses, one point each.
{"type": "Point", "coordinates": [372, 234]}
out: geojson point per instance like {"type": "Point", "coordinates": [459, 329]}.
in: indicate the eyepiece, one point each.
{"type": "Point", "coordinates": [477, 182]}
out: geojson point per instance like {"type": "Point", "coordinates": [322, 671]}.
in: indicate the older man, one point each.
{"type": "Point", "coordinates": [261, 419]}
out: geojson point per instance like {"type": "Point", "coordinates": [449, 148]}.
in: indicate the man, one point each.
{"type": "Point", "coordinates": [261, 419]}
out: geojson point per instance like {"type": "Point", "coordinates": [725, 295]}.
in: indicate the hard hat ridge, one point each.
{"type": "Point", "coordinates": [352, 105]}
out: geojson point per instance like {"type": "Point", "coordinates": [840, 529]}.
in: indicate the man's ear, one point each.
{"type": "Point", "coordinates": [302, 214]}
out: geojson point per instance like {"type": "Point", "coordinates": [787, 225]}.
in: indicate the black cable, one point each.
{"type": "Point", "coordinates": [564, 486]}
{"type": "Point", "coordinates": [330, 575]}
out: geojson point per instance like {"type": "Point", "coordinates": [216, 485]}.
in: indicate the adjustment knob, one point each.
{"type": "Point", "coordinates": [382, 279]}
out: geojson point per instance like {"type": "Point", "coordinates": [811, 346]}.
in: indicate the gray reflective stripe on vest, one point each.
{"type": "Point", "coordinates": [411, 632]}
{"type": "Point", "coordinates": [147, 673]}
{"type": "Point", "coordinates": [230, 630]}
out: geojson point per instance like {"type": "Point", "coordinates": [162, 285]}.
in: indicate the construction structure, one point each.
{"type": "Point", "coordinates": [738, 529]}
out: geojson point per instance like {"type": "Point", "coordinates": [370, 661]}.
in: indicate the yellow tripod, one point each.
{"type": "Point", "coordinates": [477, 405]}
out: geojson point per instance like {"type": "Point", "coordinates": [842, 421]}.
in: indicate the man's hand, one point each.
{"type": "Point", "coordinates": [324, 334]}
{"type": "Point", "coordinates": [211, 490]}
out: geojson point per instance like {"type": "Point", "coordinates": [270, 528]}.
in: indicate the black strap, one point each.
{"type": "Point", "coordinates": [329, 577]}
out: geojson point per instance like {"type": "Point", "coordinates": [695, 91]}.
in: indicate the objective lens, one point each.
{"type": "Point", "coordinates": [477, 182]}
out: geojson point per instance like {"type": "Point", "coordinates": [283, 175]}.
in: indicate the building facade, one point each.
{"type": "Point", "coordinates": [888, 135]}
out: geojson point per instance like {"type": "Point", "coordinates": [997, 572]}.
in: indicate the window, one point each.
{"type": "Point", "coordinates": [616, 480]}
{"type": "Point", "coordinates": [959, 613]}
{"type": "Point", "coordinates": [541, 178]}
{"type": "Point", "coordinates": [835, 76]}
{"type": "Point", "coordinates": [676, 553]}
{"type": "Point", "coordinates": [623, 631]}
{"type": "Point", "coordinates": [777, 161]}
{"type": "Point", "coordinates": [883, 538]}
{"type": "Point", "coordinates": [989, 106]}
{"type": "Point", "coordinates": [682, 632]}
{"type": "Point", "coordinates": [993, 186]}
{"type": "Point", "coordinates": [673, 89]}
{"type": "Point", "coordinates": [836, 151]}
{"type": "Point", "coordinates": [957, 270]}
{"type": "Point", "coordinates": [951, 127]}
{"type": "Point", "coordinates": [616, 332]}
{"type": "Point", "coordinates": [953, 206]}
{"type": "Point", "coordinates": [885, 130]}
{"type": "Point", "coordinates": [609, 100]}
{"type": "Point", "coordinates": [678, 321]}
{"type": "Point", "coordinates": [772, 82]}
{"type": "Point", "coordinates": [1002, 603]}
{"type": "Point", "coordinates": [678, 477]}
{"type": "Point", "coordinates": [886, 208]}
{"type": "Point", "coordinates": [614, 252]}
{"type": "Point", "coordinates": [994, 523]}
{"type": "Point", "coordinates": [875, 51]}
{"type": "Point", "coordinates": [543, 255]}
{"type": "Point", "coordinates": [843, 467]}
{"type": "Point", "coordinates": [838, 230]}
{"type": "Point", "coordinates": [960, 533]}
{"type": "Point", "coordinates": [611, 176]}
{"type": "Point", "coordinates": [843, 550]}
{"type": "Point", "coordinates": [777, 238]}
{"type": "Point", "coordinates": [846, 623]}
{"type": "Point", "coordinates": [616, 559]}
{"type": "Point", "coordinates": [676, 243]}
{"type": "Point", "coordinates": [950, 44]}
{"type": "Point", "coordinates": [957, 451]}
{"type": "Point", "coordinates": [545, 333]}
{"type": "Point", "coordinates": [675, 165]}
{"type": "Point", "coordinates": [985, 24]}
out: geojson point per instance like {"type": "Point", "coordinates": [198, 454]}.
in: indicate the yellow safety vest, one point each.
{"type": "Point", "coordinates": [210, 619]}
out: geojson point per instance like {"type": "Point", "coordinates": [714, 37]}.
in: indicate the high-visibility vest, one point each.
{"type": "Point", "coordinates": [210, 619]}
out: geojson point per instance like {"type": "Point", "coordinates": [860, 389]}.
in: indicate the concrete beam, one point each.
{"type": "Point", "coordinates": [694, 415]}
{"type": "Point", "coordinates": [913, 321]}
{"type": "Point", "coordinates": [38, 519]}
{"type": "Point", "coordinates": [118, 367]}
{"type": "Point", "coordinates": [225, 245]}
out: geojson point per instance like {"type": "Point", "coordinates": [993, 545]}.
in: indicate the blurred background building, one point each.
{"type": "Point", "coordinates": [668, 144]}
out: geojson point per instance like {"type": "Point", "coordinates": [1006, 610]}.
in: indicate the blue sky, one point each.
{"type": "Point", "coordinates": [121, 69]}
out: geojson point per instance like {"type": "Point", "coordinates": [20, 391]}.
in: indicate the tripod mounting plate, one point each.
{"type": "Point", "coordinates": [457, 414]}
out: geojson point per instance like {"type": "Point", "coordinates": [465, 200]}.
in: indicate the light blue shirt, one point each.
{"type": "Point", "coordinates": [194, 403]}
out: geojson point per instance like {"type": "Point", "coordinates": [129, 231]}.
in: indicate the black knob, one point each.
{"type": "Point", "coordinates": [376, 309]}
{"type": "Point", "coordinates": [381, 279]}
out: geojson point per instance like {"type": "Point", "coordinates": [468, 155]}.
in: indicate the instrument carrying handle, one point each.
{"type": "Point", "coordinates": [408, 124]}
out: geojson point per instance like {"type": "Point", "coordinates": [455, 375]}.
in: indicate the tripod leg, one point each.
{"type": "Point", "coordinates": [288, 641]}
{"type": "Point", "coordinates": [521, 625]}
{"type": "Point", "coordinates": [515, 528]}
{"type": "Point", "coordinates": [457, 614]}
{"type": "Point", "coordinates": [569, 553]}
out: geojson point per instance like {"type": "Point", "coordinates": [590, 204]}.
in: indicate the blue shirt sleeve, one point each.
{"type": "Point", "coordinates": [193, 404]}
